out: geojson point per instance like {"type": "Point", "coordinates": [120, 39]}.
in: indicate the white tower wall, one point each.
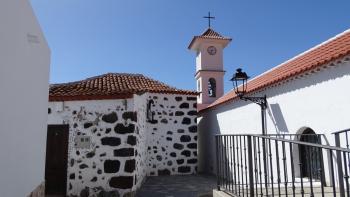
{"type": "Point", "coordinates": [205, 61]}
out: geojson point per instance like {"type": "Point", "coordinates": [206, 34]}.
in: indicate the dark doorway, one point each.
{"type": "Point", "coordinates": [310, 156]}
{"type": "Point", "coordinates": [56, 160]}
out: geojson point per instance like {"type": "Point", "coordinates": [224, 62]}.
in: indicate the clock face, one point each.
{"type": "Point", "coordinates": [211, 50]}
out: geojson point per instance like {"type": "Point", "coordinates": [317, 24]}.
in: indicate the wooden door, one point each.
{"type": "Point", "coordinates": [56, 160]}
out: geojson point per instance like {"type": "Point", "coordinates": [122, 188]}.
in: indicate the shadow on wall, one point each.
{"type": "Point", "coordinates": [208, 127]}
{"type": "Point", "coordinates": [274, 111]}
{"type": "Point", "coordinates": [276, 116]}
{"type": "Point", "coordinates": [334, 72]}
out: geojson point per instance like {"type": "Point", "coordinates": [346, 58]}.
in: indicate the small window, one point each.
{"type": "Point", "coordinates": [212, 87]}
{"type": "Point", "coordinates": [149, 112]}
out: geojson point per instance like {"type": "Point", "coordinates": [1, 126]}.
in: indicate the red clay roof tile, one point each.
{"type": "Point", "coordinates": [209, 34]}
{"type": "Point", "coordinates": [110, 86]}
{"type": "Point", "coordinates": [335, 48]}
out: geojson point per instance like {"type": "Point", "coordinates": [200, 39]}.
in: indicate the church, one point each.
{"type": "Point", "coordinates": [307, 94]}
{"type": "Point", "coordinates": [115, 129]}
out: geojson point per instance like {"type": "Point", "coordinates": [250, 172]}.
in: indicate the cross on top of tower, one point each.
{"type": "Point", "coordinates": [209, 18]}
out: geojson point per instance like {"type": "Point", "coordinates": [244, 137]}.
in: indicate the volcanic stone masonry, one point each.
{"type": "Point", "coordinates": [147, 135]}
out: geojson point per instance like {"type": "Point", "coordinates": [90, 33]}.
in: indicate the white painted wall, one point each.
{"type": "Point", "coordinates": [24, 76]}
{"type": "Point", "coordinates": [319, 101]}
{"type": "Point", "coordinates": [140, 106]}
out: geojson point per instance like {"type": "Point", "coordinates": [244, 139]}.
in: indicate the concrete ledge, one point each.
{"type": "Point", "coordinates": [217, 193]}
{"type": "Point", "coordinates": [38, 191]}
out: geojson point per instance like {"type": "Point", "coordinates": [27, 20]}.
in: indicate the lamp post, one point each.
{"type": "Point", "coordinates": [239, 81]}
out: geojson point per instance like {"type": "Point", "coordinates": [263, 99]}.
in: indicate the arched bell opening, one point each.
{"type": "Point", "coordinates": [212, 87]}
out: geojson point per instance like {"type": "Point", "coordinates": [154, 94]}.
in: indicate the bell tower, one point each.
{"type": "Point", "coordinates": [210, 72]}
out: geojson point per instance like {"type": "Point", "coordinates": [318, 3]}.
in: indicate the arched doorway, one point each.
{"type": "Point", "coordinates": [309, 156]}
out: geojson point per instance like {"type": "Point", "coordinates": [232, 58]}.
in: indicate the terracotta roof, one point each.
{"type": "Point", "coordinates": [110, 86]}
{"type": "Point", "coordinates": [334, 48]}
{"type": "Point", "coordinates": [209, 34]}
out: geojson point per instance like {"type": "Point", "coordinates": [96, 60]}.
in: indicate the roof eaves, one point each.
{"type": "Point", "coordinates": [205, 37]}
{"type": "Point", "coordinates": [89, 97]}
{"type": "Point", "coordinates": [266, 85]}
{"type": "Point", "coordinates": [184, 92]}
{"type": "Point", "coordinates": [290, 75]}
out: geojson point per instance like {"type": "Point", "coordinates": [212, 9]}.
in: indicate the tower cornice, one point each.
{"type": "Point", "coordinates": [209, 71]}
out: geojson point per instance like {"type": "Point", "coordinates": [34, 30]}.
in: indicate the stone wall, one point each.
{"type": "Point", "coordinates": [109, 164]}
{"type": "Point", "coordinates": [126, 144]}
{"type": "Point", "coordinates": [172, 135]}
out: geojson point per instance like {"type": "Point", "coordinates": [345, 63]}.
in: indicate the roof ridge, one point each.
{"type": "Point", "coordinates": [96, 77]}
{"type": "Point", "coordinates": [114, 73]}
{"type": "Point", "coordinates": [210, 31]}
{"type": "Point", "coordinates": [303, 53]}
{"type": "Point", "coordinates": [165, 84]}
{"type": "Point", "coordinates": [155, 80]}
{"type": "Point", "coordinates": [111, 85]}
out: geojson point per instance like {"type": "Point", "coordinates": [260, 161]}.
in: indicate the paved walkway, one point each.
{"type": "Point", "coordinates": [178, 186]}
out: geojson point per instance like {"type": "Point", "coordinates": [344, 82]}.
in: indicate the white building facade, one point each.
{"type": "Point", "coordinates": [24, 79]}
{"type": "Point", "coordinates": [307, 92]}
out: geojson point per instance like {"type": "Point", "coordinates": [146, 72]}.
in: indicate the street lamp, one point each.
{"type": "Point", "coordinates": [239, 80]}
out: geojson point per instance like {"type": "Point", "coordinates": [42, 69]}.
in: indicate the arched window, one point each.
{"type": "Point", "coordinates": [212, 87]}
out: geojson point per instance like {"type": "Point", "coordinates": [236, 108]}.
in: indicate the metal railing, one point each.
{"type": "Point", "coordinates": [342, 138]}
{"type": "Point", "coordinates": [257, 165]}
{"type": "Point", "coordinates": [318, 137]}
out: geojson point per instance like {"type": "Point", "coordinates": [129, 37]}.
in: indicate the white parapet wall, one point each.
{"type": "Point", "coordinates": [24, 78]}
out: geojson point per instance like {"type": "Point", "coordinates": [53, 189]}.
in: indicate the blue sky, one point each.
{"type": "Point", "coordinates": [92, 37]}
